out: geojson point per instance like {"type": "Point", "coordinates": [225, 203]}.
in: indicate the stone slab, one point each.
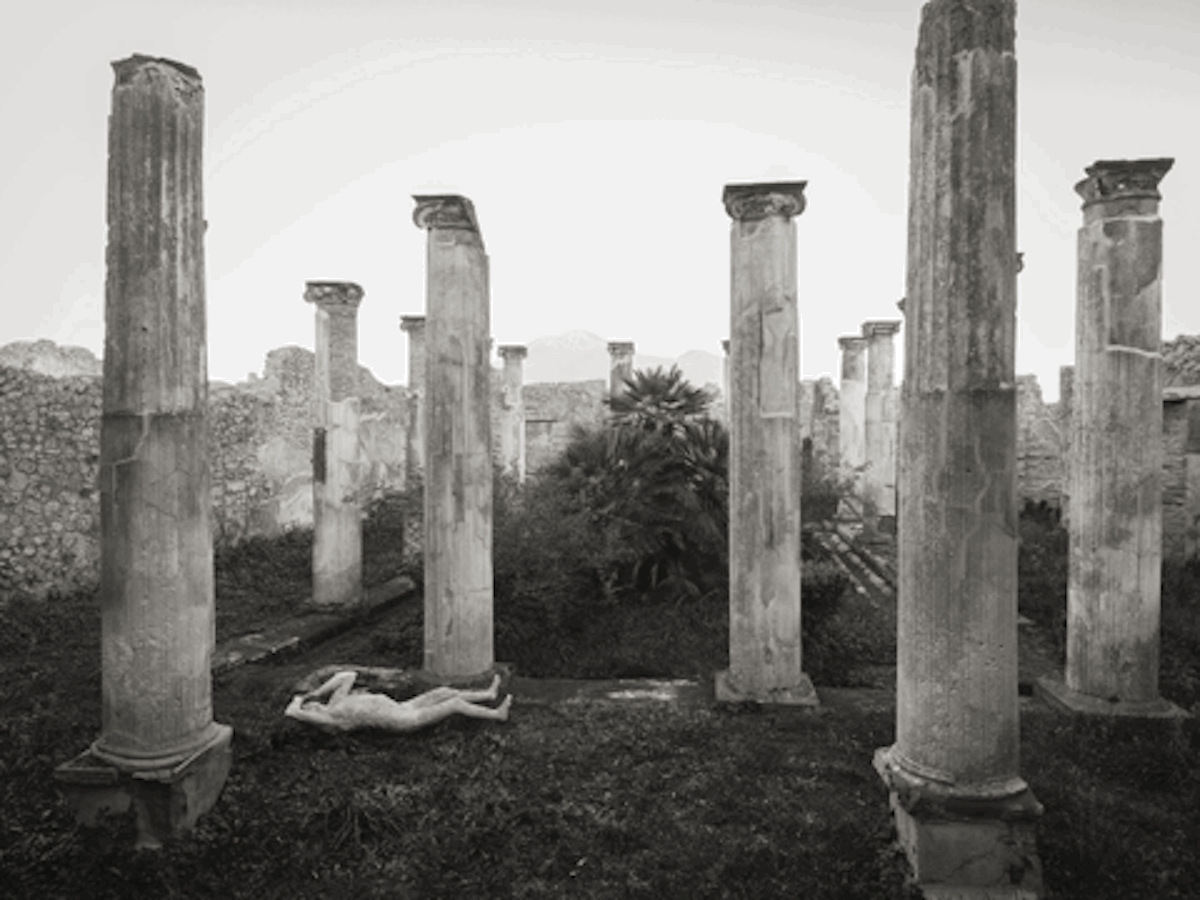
{"type": "Point", "coordinates": [1061, 698]}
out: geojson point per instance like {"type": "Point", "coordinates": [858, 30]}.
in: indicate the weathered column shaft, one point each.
{"type": "Point", "coordinates": [957, 651]}
{"type": "Point", "coordinates": [156, 563]}
{"type": "Point", "coordinates": [458, 465]}
{"type": "Point", "coordinates": [1116, 455]}
{"type": "Point", "coordinates": [764, 456]}
{"type": "Point", "coordinates": [414, 449]}
{"type": "Point", "coordinates": [852, 406]}
{"type": "Point", "coordinates": [337, 507]}
{"type": "Point", "coordinates": [879, 403]}
{"type": "Point", "coordinates": [414, 327]}
{"type": "Point", "coordinates": [957, 726]}
{"type": "Point", "coordinates": [620, 366]}
{"type": "Point", "coordinates": [512, 419]}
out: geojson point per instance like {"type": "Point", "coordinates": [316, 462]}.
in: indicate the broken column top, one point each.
{"type": "Point", "coordinates": [334, 296]}
{"type": "Point", "coordinates": [1113, 180]}
{"type": "Point", "coordinates": [412, 323]}
{"type": "Point", "coordinates": [725, 344]}
{"type": "Point", "coordinates": [445, 211]}
{"type": "Point", "coordinates": [852, 342]}
{"type": "Point", "coordinates": [513, 351]}
{"type": "Point", "coordinates": [126, 69]}
{"type": "Point", "coordinates": [620, 348]}
{"type": "Point", "coordinates": [880, 328]}
{"type": "Point", "coordinates": [748, 202]}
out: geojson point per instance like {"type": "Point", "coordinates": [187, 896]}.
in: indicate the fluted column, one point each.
{"type": "Point", "coordinates": [852, 445]}
{"type": "Point", "coordinates": [512, 417]}
{"type": "Point", "coordinates": [964, 815]}
{"type": "Point", "coordinates": [620, 366]}
{"type": "Point", "coordinates": [764, 452]}
{"type": "Point", "coordinates": [337, 506]}
{"type": "Point", "coordinates": [879, 429]}
{"type": "Point", "coordinates": [1114, 585]}
{"type": "Point", "coordinates": [458, 465]}
{"type": "Point", "coordinates": [158, 737]}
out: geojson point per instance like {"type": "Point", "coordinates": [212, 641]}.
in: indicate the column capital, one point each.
{"type": "Point", "coordinates": [445, 211]}
{"type": "Point", "coordinates": [410, 324]}
{"type": "Point", "coordinates": [512, 351]}
{"type": "Point", "coordinates": [880, 328]}
{"type": "Point", "coordinates": [748, 202]}
{"type": "Point", "coordinates": [1122, 179]}
{"type": "Point", "coordinates": [334, 296]}
{"type": "Point", "coordinates": [620, 348]}
{"type": "Point", "coordinates": [852, 342]}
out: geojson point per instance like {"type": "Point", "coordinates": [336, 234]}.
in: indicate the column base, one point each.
{"type": "Point", "coordinates": [800, 694]}
{"type": "Point", "coordinates": [168, 801]}
{"type": "Point", "coordinates": [428, 679]}
{"type": "Point", "coordinates": [962, 845]}
{"type": "Point", "coordinates": [1055, 694]}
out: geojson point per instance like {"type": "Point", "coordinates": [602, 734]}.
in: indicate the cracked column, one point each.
{"type": "Point", "coordinates": [512, 417]}
{"type": "Point", "coordinates": [1114, 582]}
{"type": "Point", "coordinates": [337, 506]}
{"type": "Point", "coordinates": [620, 366]}
{"type": "Point", "coordinates": [458, 465]}
{"type": "Point", "coordinates": [159, 747]}
{"type": "Point", "coordinates": [764, 449]}
{"type": "Point", "coordinates": [964, 816]}
{"type": "Point", "coordinates": [414, 327]}
{"type": "Point", "coordinates": [852, 447]}
{"type": "Point", "coordinates": [879, 429]}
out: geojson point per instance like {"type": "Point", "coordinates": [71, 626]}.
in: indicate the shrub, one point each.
{"type": "Point", "coordinates": [1042, 563]}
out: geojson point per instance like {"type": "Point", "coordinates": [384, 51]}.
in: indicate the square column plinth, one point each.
{"type": "Point", "coordinates": [764, 450]}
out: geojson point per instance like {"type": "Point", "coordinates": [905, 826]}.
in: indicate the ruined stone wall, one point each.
{"type": "Point", "coordinates": [552, 410]}
{"type": "Point", "coordinates": [1042, 443]}
{"type": "Point", "coordinates": [260, 459]}
{"type": "Point", "coordinates": [49, 459]}
{"type": "Point", "coordinates": [817, 402]}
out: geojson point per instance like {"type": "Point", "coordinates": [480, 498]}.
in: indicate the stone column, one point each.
{"type": "Point", "coordinates": [852, 445]}
{"type": "Point", "coordinates": [512, 419]}
{"type": "Point", "coordinates": [458, 464]}
{"type": "Point", "coordinates": [764, 449]}
{"type": "Point", "coordinates": [879, 429]}
{"type": "Point", "coordinates": [414, 327]}
{"type": "Point", "coordinates": [620, 366]}
{"type": "Point", "coordinates": [337, 506]}
{"type": "Point", "coordinates": [1066, 399]}
{"type": "Point", "coordinates": [1113, 588]}
{"type": "Point", "coordinates": [159, 746]}
{"type": "Point", "coordinates": [964, 815]}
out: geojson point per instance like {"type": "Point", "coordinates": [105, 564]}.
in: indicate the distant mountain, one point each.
{"type": "Point", "coordinates": [583, 356]}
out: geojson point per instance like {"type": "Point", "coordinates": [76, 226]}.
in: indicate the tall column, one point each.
{"type": "Point", "coordinates": [620, 366]}
{"type": "Point", "coordinates": [158, 745]}
{"type": "Point", "coordinates": [414, 327]}
{"type": "Point", "coordinates": [1113, 588]}
{"type": "Point", "coordinates": [337, 507]}
{"type": "Point", "coordinates": [852, 445]}
{"type": "Point", "coordinates": [725, 375]}
{"type": "Point", "coordinates": [964, 815]}
{"type": "Point", "coordinates": [879, 478]}
{"type": "Point", "coordinates": [764, 449]}
{"type": "Point", "coordinates": [458, 464]}
{"type": "Point", "coordinates": [512, 419]}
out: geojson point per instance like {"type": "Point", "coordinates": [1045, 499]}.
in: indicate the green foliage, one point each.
{"type": "Point", "coordinates": [1179, 673]}
{"type": "Point", "coordinates": [659, 400]}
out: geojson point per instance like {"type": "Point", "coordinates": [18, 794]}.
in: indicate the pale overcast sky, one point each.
{"type": "Point", "coordinates": [594, 139]}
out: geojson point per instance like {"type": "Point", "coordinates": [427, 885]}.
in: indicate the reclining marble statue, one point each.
{"type": "Point", "coordinates": [335, 707]}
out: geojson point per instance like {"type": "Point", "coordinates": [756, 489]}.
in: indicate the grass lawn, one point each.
{"type": "Point", "coordinates": [592, 799]}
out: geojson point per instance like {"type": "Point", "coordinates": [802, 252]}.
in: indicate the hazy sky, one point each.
{"type": "Point", "coordinates": [594, 139]}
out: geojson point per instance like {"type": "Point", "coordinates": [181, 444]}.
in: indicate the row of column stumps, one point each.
{"type": "Point", "coordinates": [159, 749]}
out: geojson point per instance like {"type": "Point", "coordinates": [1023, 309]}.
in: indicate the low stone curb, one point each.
{"type": "Point", "coordinates": [306, 628]}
